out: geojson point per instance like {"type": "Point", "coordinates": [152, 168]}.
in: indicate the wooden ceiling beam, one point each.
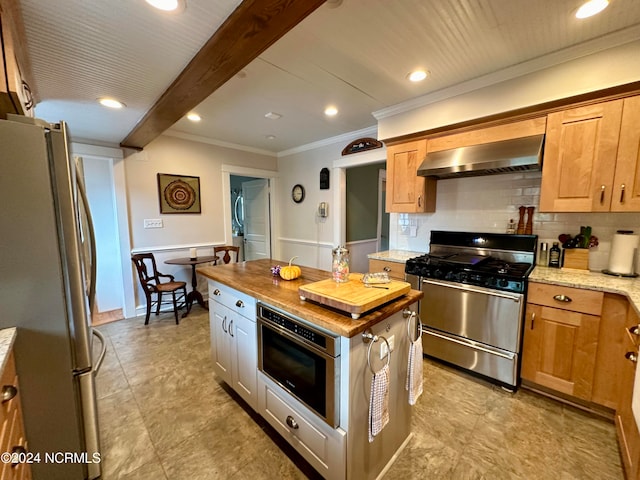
{"type": "Point", "coordinates": [252, 28]}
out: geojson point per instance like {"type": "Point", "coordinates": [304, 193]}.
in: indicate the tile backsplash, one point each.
{"type": "Point", "coordinates": [486, 204]}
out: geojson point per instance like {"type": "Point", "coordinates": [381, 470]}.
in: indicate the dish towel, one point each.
{"type": "Point", "coordinates": [414, 371]}
{"type": "Point", "coordinates": [379, 402]}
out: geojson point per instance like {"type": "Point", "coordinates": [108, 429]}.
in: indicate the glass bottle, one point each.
{"type": "Point", "coordinates": [554, 255]}
{"type": "Point", "coordinates": [340, 264]}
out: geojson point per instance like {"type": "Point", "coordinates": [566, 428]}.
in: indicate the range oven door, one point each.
{"type": "Point", "coordinates": [476, 328]}
{"type": "Point", "coordinates": [308, 374]}
{"type": "Point", "coordinates": [480, 314]}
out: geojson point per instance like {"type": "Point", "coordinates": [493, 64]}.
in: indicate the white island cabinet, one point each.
{"type": "Point", "coordinates": [336, 452]}
{"type": "Point", "coordinates": [234, 344]}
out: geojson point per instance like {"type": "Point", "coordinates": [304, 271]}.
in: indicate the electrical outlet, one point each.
{"type": "Point", "coordinates": [383, 346]}
{"type": "Point", "coordinates": [153, 223]}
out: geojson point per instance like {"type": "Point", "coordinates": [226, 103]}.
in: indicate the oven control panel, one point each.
{"type": "Point", "coordinates": [311, 335]}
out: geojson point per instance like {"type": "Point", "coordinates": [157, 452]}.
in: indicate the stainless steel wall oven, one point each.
{"type": "Point", "coordinates": [475, 287]}
{"type": "Point", "coordinates": [302, 359]}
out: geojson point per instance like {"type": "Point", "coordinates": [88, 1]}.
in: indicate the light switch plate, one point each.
{"type": "Point", "coordinates": [153, 223]}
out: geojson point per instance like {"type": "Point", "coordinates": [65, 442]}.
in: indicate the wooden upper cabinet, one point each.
{"type": "Point", "coordinates": [626, 184]}
{"type": "Point", "coordinates": [579, 158]}
{"type": "Point", "coordinates": [406, 191]}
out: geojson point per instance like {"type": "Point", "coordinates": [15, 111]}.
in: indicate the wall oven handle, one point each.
{"type": "Point", "coordinates": [467, 288]}
{"type": "Point", "coordinates": [473, 345]}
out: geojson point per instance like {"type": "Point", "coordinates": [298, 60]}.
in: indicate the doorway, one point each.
{"type": "Point", "coordinates": [98, 179]}
{"type": "Point", "coordinates": [248, 215]}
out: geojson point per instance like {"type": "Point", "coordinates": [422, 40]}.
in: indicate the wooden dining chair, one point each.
{"type": "Point", "coordinates": [150, 280]}
{"type": "Point", "coordinates": [226, 249]}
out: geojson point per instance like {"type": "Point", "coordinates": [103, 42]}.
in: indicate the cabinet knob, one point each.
{"type": "Point", "coordinates": [562, 298]}
{"type": "Point", "coordinates": [387, 269]}
{"type": "Point", "coordinates": [292, 423]}
{"type": "Point", "coordinates": [632, 356]}
{"type": "Point", "coordinates": [240, 304]}
{"type": "Point", "coordinates": [8, 392]}
{"type": "Point", "coordinates": [635, 330]}
{"type": "Point", "coordinates": [216, 292]}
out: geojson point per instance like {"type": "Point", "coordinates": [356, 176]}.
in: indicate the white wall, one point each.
{"type": "Point", "coordinates": [182, 231]}
{"type": "Point", "coordinates": [301, 231]}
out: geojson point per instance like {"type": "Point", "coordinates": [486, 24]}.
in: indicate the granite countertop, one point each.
{"type": "Point", "coordinates": [254, 279]}
{"type": "Point", "coordinates": [399, 256]}
{"type": "Point", "coordinates": [7, 337]}
{"type": "Point", "coordinates": [629, 287]}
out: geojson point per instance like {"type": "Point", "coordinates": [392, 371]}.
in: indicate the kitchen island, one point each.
{"type": "Point", "coordinates": [333, 436]}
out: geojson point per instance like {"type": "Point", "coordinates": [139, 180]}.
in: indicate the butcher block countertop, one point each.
{"type": "Point", "coordinates": [254, 279]}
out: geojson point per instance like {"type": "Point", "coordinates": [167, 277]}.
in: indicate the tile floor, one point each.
{"type": "Point", "coordinates": [164, 415]}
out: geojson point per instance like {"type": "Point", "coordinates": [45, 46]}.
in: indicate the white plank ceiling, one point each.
{"type": "Point", "coordinates": [355, 56]}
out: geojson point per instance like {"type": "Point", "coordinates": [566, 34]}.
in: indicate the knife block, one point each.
{"type": "Point", "coordinates": [576, 258]}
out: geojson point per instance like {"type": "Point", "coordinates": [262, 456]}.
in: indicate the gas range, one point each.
{"type": "Point", "coordinates": [493, 260]}
{"type": "Point", "coordinates": [472, 311]}
{"type": "Point", "coordinates": [473, 269]}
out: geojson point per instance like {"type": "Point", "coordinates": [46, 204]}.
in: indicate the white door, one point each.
{"type": "Point", "coordinates": [257, 240]}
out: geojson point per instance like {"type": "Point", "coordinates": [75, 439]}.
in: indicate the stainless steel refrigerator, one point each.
{"type": "Point", "coordinates": [47, 284]}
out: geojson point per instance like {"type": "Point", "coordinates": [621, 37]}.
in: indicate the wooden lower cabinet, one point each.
{"type": "Point", "coordinates": [626, 426]}
{"type": "Point", "coordinates": [12, 437]}
{"type": "Point", "coordinates": [559, 349]}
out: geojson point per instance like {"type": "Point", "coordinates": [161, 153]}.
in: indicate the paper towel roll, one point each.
{"type": "Point", "coordinates": [623, 249]}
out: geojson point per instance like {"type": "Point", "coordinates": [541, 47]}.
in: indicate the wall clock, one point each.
{"type": "Point", "coordinates": [297, 193]}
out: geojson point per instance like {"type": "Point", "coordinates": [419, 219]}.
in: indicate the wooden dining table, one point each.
{"type": "Point", "coordinates": [194, 294]}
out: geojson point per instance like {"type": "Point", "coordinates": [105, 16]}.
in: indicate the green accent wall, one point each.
{"type": "Point", "coordinates": [362, 202]}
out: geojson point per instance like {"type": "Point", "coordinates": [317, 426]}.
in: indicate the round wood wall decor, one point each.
{"type": "Point", "coordinates": [180, 195]}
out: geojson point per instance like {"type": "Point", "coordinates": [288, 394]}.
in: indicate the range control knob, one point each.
{"type": "Point", "coordinates": [437, 273]}
{"type": "Point", "coordinates": [503, 282]}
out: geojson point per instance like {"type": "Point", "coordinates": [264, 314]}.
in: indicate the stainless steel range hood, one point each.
{"type": "Point", "coordinates": [488, 159]}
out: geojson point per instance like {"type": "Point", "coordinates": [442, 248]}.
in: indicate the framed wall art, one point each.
{"type": "Point", "coordinates": [178, 193]}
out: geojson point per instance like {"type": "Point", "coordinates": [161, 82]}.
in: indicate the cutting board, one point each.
{"type": "Point", "coordinates": [353, 296]}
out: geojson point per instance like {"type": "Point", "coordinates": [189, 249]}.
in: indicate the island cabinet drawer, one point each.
{"type": "Point", "coordinates": [237, 301]}
{"type": "Point", "coordinates": [566, 298]}
{"type": "Point", "coordinates": [394, 269]}
{"type": "Point", "coordinates": [321, 445]}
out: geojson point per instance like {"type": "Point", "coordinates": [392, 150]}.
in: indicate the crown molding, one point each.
{"type": "Point", "coordinates": [344, 137]}
{"type": "Point", "coordinates": [219, 143]}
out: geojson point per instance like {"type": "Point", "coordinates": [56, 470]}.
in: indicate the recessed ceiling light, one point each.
{"type": "Point", "coordinates": [194, 117]}
{"type": "Point", "coordinates": [591, 7]}
{"type": "Point", "coordinates": [273, 115]}
{"type": "Point", "coordinates": [270, 137]}
{"type": "Point", "coordinates": [331, 111]}
{"type": "Point", "coordinates": [111, 103]}
{"type": "Point", "coordinates": [417, 75]}
{"type": "Point", "coordinates": [174, 6]}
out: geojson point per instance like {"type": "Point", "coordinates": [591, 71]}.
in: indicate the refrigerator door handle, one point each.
{"type": "Point", "coordinates": [103, 351]}
{"type": "Point", "coordinates": [92, 241]}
